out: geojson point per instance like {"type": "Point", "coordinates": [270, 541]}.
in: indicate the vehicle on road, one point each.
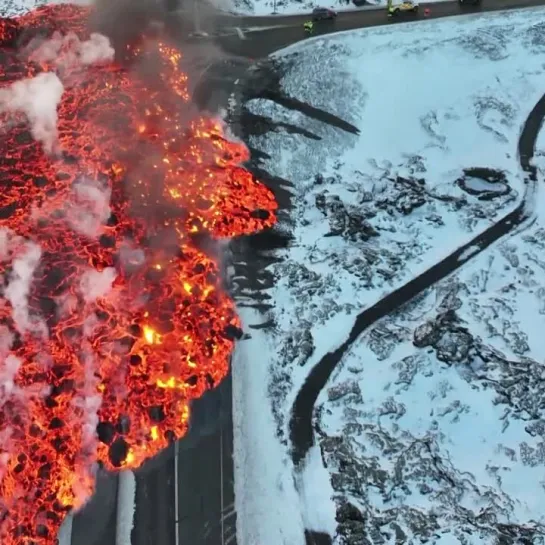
{"type": "Point", "coordinates": [323, 14]}
{"type": "Point", "coordinates": [404, 7]}
{"type": "Point", "coordinates": [199, 34]}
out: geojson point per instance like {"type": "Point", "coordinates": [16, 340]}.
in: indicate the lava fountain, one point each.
{"type": "Point", "coordinates": [112, 317]}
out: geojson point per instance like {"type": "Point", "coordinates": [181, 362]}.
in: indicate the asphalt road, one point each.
{"type": "Point", "coordinates": [186, 497]}
{"type": "Point", "coordinates": [265, 34]}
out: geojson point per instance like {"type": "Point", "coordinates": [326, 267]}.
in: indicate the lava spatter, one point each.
{"type": "Point", "coordinates": [111, 318]}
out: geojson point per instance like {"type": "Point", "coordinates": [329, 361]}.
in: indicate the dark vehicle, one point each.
{"type": "Point", "coordinates": [323, 14]}
{"type": "Point", "coordinates": [469, 2]}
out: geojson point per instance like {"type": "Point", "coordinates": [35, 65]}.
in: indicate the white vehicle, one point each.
{"type": "Point", "coordinates": [199, 34]}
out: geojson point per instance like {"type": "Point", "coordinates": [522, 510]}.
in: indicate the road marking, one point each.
{"type": "Point", "coordinates": [177, 530]}
{"type": "Point", "coordinates": [240, 33]}
{"type": "Point", "coordinates": [65, 531]}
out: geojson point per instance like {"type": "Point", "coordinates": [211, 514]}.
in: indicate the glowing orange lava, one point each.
{"type": "Point", "coordinates": [125, 362]}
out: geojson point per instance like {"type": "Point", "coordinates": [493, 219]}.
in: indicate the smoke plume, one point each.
{"type": "Point", "coordinates": [24, 256]}
{"type": "Point", "coordinates": [88, 207]}
{"type": "Point", "coordinates": [96, 284]}
{"type": "Point", "coordinates": [68, 51]}
{"type": "Point", "coordinates": [37, 98]}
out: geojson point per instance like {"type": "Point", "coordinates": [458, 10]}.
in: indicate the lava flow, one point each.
{"type": "Point", "coordinates": [112, 317]}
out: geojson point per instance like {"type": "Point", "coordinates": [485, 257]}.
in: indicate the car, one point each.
{"type": "Point", "coordinates": [403, 7]}
{"type": "Point", "coordinates": [323, 14]}
{"type": "Point", "coordinates": [199, 34]}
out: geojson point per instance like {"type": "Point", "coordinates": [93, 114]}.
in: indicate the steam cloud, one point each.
{"type": "Point", "coordinates": [68, 50]}
{"type": "Point", "coordinates": [88, 207]}
{"type": "Point", "coordinates": [97, 284]}
{"type": "Point", "coordinates": [25, 256]}
{"type": "Point", "coordinates": [38, 99]}
{"type": "Point", "coordinates": [93, 285]}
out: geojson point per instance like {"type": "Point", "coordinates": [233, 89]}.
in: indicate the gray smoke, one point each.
{"type": "Point", "coordinates": [123, 21]}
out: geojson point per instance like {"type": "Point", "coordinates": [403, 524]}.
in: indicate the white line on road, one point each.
{"type": "Point", "coordinates": [177, 511]}
{"type": "Point", "coordinates": [126, 503]}
{"type": "Point", "coordinates": [240, 33]}
{"type": "Point", "coordinates": [65, 531]}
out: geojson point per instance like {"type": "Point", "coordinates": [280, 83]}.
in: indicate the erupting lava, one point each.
{"type": "Point", "coordinates": [112, 319]}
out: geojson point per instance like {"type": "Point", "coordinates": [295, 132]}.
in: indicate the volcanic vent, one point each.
{"type": "Point", "coordinates": [112, 319]}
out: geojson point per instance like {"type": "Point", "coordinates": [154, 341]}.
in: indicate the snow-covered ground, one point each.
{"type": "Point", "coordinates": [13, 8]}
{"type": "Point", "coordinates": [431, 427]}
{"type": "Point", "coordinates": [293, 7]}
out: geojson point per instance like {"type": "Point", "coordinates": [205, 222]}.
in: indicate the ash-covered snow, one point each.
{"type": "Point", "coordinates": [432, 427]}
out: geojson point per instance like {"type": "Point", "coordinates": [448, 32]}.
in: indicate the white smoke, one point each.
{"type": "Point", "coordinates": [131, 258]}
{"type": "Point", "coordinates": [7, 376]}
{"type": "Point", "coordinates": [88, 207]}
{"type": "Point", "coordinates": [93, 285]}
{"type": "Point", "coordinates": [6, 340]}
{"type": "Point", "coordinates": [24, 256]}
{"type": "Point", "coordinates": [67, 51]}
{"type": "Point", "coordinates": [96, 50]}
{"type": "Point", "coordinates": [89, 402]}
{"type": "Point", "coordinates": [96, 284]}
{"type": "Point", "coordinates": [37, 98]}
{"type": "Point", "coordinates": [66, 305]}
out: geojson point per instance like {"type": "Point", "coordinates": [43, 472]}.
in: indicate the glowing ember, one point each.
{"type": "Point", "coordinates": [112, 320]}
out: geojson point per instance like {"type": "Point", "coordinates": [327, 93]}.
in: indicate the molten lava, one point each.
{"type": "Point", "coordinates": [112, 317]}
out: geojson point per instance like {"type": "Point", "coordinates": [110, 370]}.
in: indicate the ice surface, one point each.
{"type": "Point", "coordinates": [432, 427]}
{"type": "Point", "coordinates": [482, 185]}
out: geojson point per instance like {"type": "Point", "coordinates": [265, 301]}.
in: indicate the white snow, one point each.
{"type": "Point", "coordinates": [429, 99]}
{"type": "Point", "coordinates": [316, 494]}
{"type": "Point", "coordinates": [65, 532]}
{"type": "Point", "coordinates": [294, 7]}
{"type": "Point", "coordinates": [482, 185]}
{"type": "Point", "coordinates": [13, 8]}
{"type": "Point", "coordinates": [468, 252]}
{"type": "Point", "coordinates": [126, 490]}
{"type": "Point", "coordinates": [267, 504]}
